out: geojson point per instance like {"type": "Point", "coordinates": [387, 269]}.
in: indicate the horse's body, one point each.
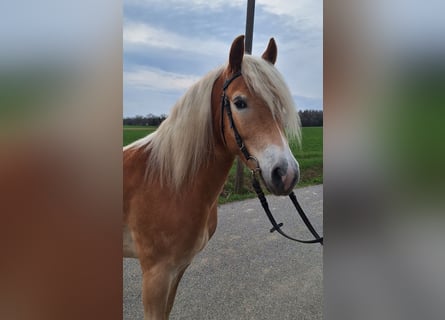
{"type": "Point", "coordinates": [173, 177]}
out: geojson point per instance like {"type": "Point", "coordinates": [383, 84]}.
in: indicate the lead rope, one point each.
{"type": "Point", "coordinates": [277, 226]}
{"type": "Point", "coordinates": [225, 104]}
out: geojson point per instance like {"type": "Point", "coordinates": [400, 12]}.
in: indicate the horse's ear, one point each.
{"type": "Point", "coordinates": [236, 54]}
{"type": "Point", "coordinates": [271, 52]}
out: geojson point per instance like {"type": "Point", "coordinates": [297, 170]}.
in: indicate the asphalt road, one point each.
{"type": "Point", "coordinates": [245, 272]}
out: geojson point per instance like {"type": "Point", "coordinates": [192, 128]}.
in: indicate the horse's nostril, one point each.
{"type": "Point", "coordinates": [278, 172]}
{"type": "Point", "coordinates": [279, 177]}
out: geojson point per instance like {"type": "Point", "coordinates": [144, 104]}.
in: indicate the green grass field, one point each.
{"type": "Point", "coordinates": [132, 133]}
{"type": "Point", "coordinates": [309, 156]}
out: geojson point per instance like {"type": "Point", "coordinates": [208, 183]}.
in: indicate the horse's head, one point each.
{"type": "Point", "coordinates": [262, 110]}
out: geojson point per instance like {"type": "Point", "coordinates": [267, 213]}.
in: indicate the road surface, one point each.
{"type": "Point", "coordinates": [245, 272]}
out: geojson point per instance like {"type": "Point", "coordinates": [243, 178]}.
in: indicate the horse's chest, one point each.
{"type": "Point", "coordinates": [201, 240]}
{"type": "Point", "coordinates": [204, 230]}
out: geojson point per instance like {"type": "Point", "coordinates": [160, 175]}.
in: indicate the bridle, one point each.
{"type": "Point", "coordinates": [225, 105]}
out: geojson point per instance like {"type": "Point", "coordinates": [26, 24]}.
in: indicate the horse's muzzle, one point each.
{"type": "Point", "coordinates": [283, 178]}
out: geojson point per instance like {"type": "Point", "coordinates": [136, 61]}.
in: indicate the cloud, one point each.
{"type": "Point", "coordinates": [140, 33]}
{"type": "Point", "coordinates": [152, 78]}
{"type": "Point", "coordinates": [142, 102]}
{"type": "Point", "coordinates": [192, 5]}
{"type": "Point", "coordinates": [308, 103]}
{"type": "Point", "coordinates": [302, 13]}
{"type": "Point", "coordinates": [152, 90]}
{"type": "Point", "coordinates": [280, 7]}
{"type": "Point", "coordinates": [168, 43]}
{"type": "Point", "coordinates": [143, 34]}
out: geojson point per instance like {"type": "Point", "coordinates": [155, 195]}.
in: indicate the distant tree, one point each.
{"type": "Point", "coordinates": [163, 117]}
{"type": "Point", "coordinates": [149, 120]}
{"type": "Point", "coordinates": [311, 118]}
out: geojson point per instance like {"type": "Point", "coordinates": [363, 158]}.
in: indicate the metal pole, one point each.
{"type": "Point", "coordinates": [249, 26]}
{"type": "Point", "coordinates": [239, 177]}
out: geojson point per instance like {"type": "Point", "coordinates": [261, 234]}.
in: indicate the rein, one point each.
{"type": "Point", "coordinates": [225, 105]}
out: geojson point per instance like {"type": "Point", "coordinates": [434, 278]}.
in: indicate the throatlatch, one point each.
{"type": "Point", "coordinates": [225, 105]}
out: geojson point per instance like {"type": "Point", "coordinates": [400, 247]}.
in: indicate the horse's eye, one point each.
{"type": "Point", "coordinates": [240, 104]}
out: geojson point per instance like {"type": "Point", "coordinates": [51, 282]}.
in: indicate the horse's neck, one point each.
{"type": "Point", "coordinates": [212, 176]}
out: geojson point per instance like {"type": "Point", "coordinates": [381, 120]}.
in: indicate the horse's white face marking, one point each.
{"type": "Point", "coordinates": [264, 139]}
{"type": "Point", "coordinates": [279, 168]}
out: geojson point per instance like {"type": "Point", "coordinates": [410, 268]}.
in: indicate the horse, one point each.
{"type": "Point", "coordinates": [174, 176]}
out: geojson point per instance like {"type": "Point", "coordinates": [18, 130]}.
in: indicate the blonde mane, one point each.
{"type": "Point", "coordinates": [184, 141]}
{"type": "Point", "coordinates": [263, 79]}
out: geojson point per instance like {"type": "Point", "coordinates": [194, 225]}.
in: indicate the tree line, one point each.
{"type": "Point", "coordinates": [309, 118]}
{"type": "Point", "coordinates": [148, 120]}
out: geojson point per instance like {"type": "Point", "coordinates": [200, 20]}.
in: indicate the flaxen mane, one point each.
{"type": "Point", "coordinates": [184, 141]}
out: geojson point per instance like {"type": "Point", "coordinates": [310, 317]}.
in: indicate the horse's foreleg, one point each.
{"type": "Point", "coordinates": [156, 286]}
{"type": "Point", "coordinates": [129, 248]}
{"type": "Point", "coordinates": [173, 288]}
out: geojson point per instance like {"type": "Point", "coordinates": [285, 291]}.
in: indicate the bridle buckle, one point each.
{"type": "Point", "coordinates": [257, 168]}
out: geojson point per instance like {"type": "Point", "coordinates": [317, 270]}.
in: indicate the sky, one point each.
{"type": "Point", "coordinates": [170, 44]}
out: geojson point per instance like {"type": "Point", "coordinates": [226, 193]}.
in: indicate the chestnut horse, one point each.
{"type": "Point", "coordinates": [173, 177]}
